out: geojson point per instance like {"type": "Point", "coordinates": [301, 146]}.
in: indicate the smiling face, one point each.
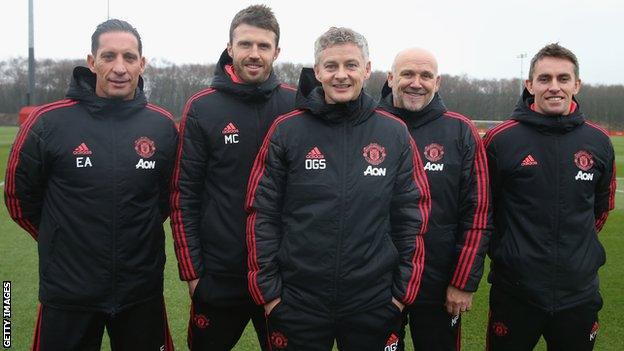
{"type": "Point", "coordinates": [553, 84]}
{"type": "Point", "coordinates": [414, 79]}
{"type": "Point", "coordinates": [341, 69]}
{"type": "Point", "coordinates": [117, 65]}
{"type": "Point", "coordinates": [253, 51]}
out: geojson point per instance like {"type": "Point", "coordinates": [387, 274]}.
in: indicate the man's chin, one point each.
{"type": "Point", "coordinates": [413, 107]}
{"type": "Point", "coordinates": [253, 78]}
{"type": "Point", "coordinates": [121, 95]}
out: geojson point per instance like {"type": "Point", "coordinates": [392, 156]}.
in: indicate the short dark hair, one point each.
{"type": "Point", "coordinates": [113, 25]}
{"type": "Point", "coordinates": [260, 16]}
{"type": "Point", "coordinates": [554, 50]}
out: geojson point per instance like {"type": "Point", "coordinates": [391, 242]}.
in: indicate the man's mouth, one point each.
{"type": "Point", "coordinates": [341, 86]}
{"type": "Point", "coordinates": [253, 66]}
{"type": "Point", "coordinates": [416, 94]}
{"type": "Point", "coordinates": [119, 81]}
{"type": "Point", "coordinates": [555, 98]}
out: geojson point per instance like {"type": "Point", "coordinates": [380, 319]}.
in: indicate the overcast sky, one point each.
{"type": "Point", "coordinates": [479, 38]}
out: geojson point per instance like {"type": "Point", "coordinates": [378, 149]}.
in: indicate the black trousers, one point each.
{"type": "Point", "coordinates": [140, 327]}
{"type": "Point", "coordinates": [291, 328]}
{"type": "Point", "coordinates": [432, 328]}
{"type": "Point", "coordinates": [218, 328]}
{"type": "Point", "coordinates": [515, 325]}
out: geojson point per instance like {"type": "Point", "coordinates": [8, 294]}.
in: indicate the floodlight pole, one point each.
{"type": "Point", "coordinates": [522, 57]}
{"type": "Point", "coordinates": [30, 96]}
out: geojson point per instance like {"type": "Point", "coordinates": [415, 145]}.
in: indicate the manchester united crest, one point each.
{"type": "Point", "coordinates": [278, 340]}
{"type": "Point", "coordinates": [145, 147]}
{"type": "Point", "coordinates": [500, 329]}
{"type": "Point", "coordinates": [374, 154]}
{"type": "Point", "coordinates": [584, 160]}
{"type": "Point", "coordinates": [434, 152]}
{"type": "Point", "coordinates": [201, 321]}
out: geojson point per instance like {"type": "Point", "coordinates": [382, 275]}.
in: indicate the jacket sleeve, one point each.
{"type": "Point", "coordinates": [165, 176]}
{"type": "Point", "coordinates": [265, 191]}
{"type": "Point", "coordinates": [409, 215]}
{"type": "Point", "coordinates": [605, 191]}
{"type": "Point", "coordinates": [187, 185]}
{"type": "Point", "coordinates": [495, 187]}
{"type": "Point", "coordinates": [475, 222]}
{"type": "Point", "coordinates": [26, 176]}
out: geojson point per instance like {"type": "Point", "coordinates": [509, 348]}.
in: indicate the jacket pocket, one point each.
{"type": "Point", "coordinates": [393, 251]}
{"type": "Point", "coordinates": [276, 309]}
{"type": "Point", "coordinates": [600, 252]}
{"type": "Point", "coordinates": [47, 249]}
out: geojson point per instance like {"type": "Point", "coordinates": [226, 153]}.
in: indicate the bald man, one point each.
{"type": "Point", "coordinates": [455, 163]}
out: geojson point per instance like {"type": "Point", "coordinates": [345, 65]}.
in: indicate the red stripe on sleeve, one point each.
{"type": "Point", "coordinates": [473, 240]}
{"type": "Point", "coordinates": [177, 225]}
{"type": "Point", "coordinates": [37, 335]}
{"type": "Point", "coordinates": [424, 205]}
{"type": "Point", "coordinates": [13, 202]}
{"type": "Point", "coordinates": [612, 189]}
{"type": "Point", "coordinates": [254, 179]}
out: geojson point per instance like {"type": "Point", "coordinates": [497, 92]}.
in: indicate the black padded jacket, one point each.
{"type": "Point", "coordinates": [338, 203]}
{"type": "Point", "coordinates": [89, 177]}
{"type": "Point", "coordinates": [221, 131]}
{"type": "Point", "coordinates": [553, 184]}
{"type": "Point", "coordinates": [461, 219]}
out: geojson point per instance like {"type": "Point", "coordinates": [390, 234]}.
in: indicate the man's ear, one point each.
{"type": "Point", "coordinates": [91, 62]}
{"type": "Point", "coordinates": [529, 85]}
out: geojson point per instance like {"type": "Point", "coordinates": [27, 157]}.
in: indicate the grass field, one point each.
{"type": "Point", "coordinates": [18, 263]}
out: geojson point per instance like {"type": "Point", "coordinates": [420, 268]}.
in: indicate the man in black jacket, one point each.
{"type": "Point", "coordinates": [88, 179]}
{"type": "Point", "coordinates": [221, 131]}
{"type": "Point", "coordinates": [338, 203]}
{"type": "Point", "coordinates": [460, 224]}
{"type": "Point", "coordinates": [553, 183]}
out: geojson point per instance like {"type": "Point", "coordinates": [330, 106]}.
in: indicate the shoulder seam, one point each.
{"type": "Point", "coordinates": [598, 127]}
{"type": "Point", "coordinates": [288, 86]}
{"type": "Point", "coordinates": [160, 110]}
{"type": "Point", "coordinates": [467, 121]}
{"type": "Point", "coordinates": [458, 116]}
{"type": "Point", "coordinates": [390, 115]}
{"type": "Point", "coordinates": [203, 92]}
{"type": "Point", "coordinates": [498, 129]}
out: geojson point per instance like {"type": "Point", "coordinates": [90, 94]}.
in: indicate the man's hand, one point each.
{"type": "Point", "coordinates": [269, 306]}
{"type": "Point", "coordinates": [192, 285]}
{"type": "Point", "coordinates": [398, 304]}
{"type": "Point", "coordinates": [457, 301]}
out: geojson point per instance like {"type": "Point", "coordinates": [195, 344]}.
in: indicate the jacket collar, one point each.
{"type": "Point", "coordinates": [546, 124]}
{"type": "Point", "coordinates": [82, 89]}
{"type": "Point", "coordinates": [434, 110]}
{"type": "Point", "coordinates": [311, 97]}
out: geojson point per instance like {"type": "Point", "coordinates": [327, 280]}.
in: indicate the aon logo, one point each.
{"type": "Point", "coordinates": [584, 176]}
{"type": "Point", "coordinates": [146, 164]}
{"type": "Point", "coordinates": [435, 167]}
{"type": "Point", "coordinates": [375, 171]}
